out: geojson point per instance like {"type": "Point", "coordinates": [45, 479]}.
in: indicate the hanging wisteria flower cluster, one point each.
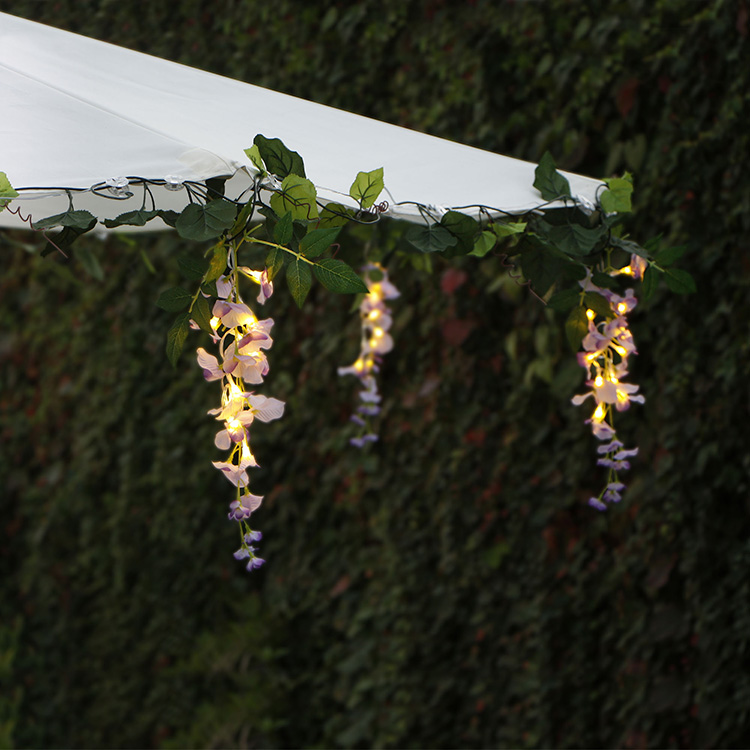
{"type": "Point", "coordinates": [242, 339]}
{"type": "Point", "coordinates": [607, 346]}
{"type": "Point", "coordinates": [375, 342]}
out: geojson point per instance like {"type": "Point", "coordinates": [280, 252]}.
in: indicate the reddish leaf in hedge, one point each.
{"type": "Point", "coordinates": [626, 96]}
{"type": "Point", "coordinates": [452, 279]}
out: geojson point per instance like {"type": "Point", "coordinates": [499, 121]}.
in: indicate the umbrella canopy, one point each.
{"type": "Point", "coordinates": [78, 112]}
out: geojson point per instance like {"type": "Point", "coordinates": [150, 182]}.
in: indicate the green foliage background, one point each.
{"type": "Point", "coordinates": [449, 587]}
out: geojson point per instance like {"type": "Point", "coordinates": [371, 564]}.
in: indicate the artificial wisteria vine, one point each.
{"type": "Point", "coordinates": [606, 348]}
{"type": "Point", "coordinates": [242, 339]}
{"type": "Point", "coordinates": [565, 252]}
{"type": "Point", "coordinates": [376, 321]}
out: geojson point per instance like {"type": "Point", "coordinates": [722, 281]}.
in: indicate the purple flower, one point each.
{"type": "Point", "coordinates": [255, 562]}
{"type": "Point", "coordinates": [594, 502]}
{"type": "Point", "coordinates": [253, 536]}
{"type": "Point", "coordinates": [241, 509]}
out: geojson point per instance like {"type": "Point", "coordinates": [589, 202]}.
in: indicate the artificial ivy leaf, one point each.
{"type": "Point", "coordinates": [616, 199]}
{"type": "Point", "coordinates": [168, 216]}
{"type": "Point", "coordinates": [275, 262]}
{"type": "Point", "coordinates": [253, 153]}
{"type": "Point", "coordinates": [283, 231]}
{"type": "Point", "coordinates": [679, 281]}
{"type": "Point", "coordinates": [670, 255]}
{"type": "Point", "coordinates": [176, 337]}
{"type": "Point", "coordinates": [90, 263]}
{"type": "Point", "coordinates": [367, 187]}
{"type": "Point", "coordinates": [242, 218]}
{"type": "Point", "coordinates": [548, 181]}
{"type": "Point", "coordinates": [174, 299]}
{"type": "Point", "coordinates": [192, 268]}
{"type": "Point", "coordinates": [136, 218]}
{"type": "Point", "coordinates": [630, 247]}
{"type": "Point", "coordinates": [576, 327]}
{"type": "Point", "coordinates": [205, 222]}
{"type": "Point", "coordinates": [84, 220]}
{"type": "Point", "coordinates": [483, 244]}
{"type": "Point", "coordinates": [503, 229]}
{"type": "Point", "coordinates": [650, 282]}
{"type": "Point", "coordinates": [539, 267]}
{"type": "Point", "coordinates": [62, 240]}
{"type": "Point", "coordinates": [217, 263]}
{"type": "Point", "coordinates": [338, 277]}
{"type": "Point", "coordinates": [299, 279]}
{"type": "Point", "coordinates": [215, 187]}
{"type": "Point", "coordinates": [297, 196]}
{"type": "Point", "coordinates": [604, 280]}
{"type": "Point", "coordinates": [572, 239]}
{"type": "Point", "coordinates": [201, 314]}
{"type": "Point", "coordinates": [279, 160]}
{"type": "Point", "coordinates": [564, 300]}
{"type": "Point", "coordinates": [7, 193]}
{"type": "Point", "coordinates": [317, 241]}
{"type": "Point", "coordinates": [598, 304]}
{"type": "Point", "coordinates": [335, 215]}
{"type": "Point", "coordinates": [463, 228]}
{"type": "Point", "coordinates": [431, 239]}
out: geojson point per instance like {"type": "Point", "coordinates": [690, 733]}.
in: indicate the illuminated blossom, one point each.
{"type": "Point", "coordinates": [376, 321]}
{"type": "Point", "coordinates": [243, 340]}
{"type": "Point", "coordinates": [606, 348]}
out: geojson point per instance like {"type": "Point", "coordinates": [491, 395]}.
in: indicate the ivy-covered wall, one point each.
{"type": "Point", "coordinates": [450, 586]}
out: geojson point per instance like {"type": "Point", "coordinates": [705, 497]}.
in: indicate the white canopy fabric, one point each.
{"type": "Point", "coordinates": [77, 112]}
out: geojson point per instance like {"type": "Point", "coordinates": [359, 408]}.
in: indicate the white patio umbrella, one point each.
{"type": "Point", "coordinates": [78, 112]}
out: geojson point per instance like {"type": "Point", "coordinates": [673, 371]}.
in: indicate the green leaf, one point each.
{"type": "Point", "coordinates": [215, 187]}
{"type": "Point", "coordinates": [604, 280]}
{"type": "Point", "coordinates": [650, 282]}
{"type": "Point", "coordinates": [630, 247]}
{"type": "Point", "coordinates": [367, 187]}
{"type": "Point", "coordinates": [338, 277]}
{"type": "Point", "coordinates": [572, 239]}
{"type": "Point", "coordinates": [598, 304]}
{"type": "Point", "coordinates": [84, 220]}
{"type": "Point", "coordinates": [564, 300]}
{"type": "Point", "coordinates": [432, 239]}
{"type": "Point", "coordinates": [131, 218]}
{"type": "Point", "coordinates": [539, 267]}
{"type": "Point", "coordinates": [253, 153]}
{"type": "Point", "coordinates": [168, 217]}
{"type": "Point", "coordinates": [299, 279]}
{"type": "Point", "coordinates": [174, 299]}
{"type": "Point", "coordinates": [90, 263]}
{"type": "Point", "coordinates": [548, 181]}
{"type": "Point", "coordinates": [503, 229]}
{"type": "Point", "coordinates": [670, 255]}
{"type": "Point", "coordinates": [201, 314]}
{"type": "Point", "coordinates": [463, 228]}
{"type": "Point", "coordinates": [483, 244]}
{"type": "Point", "coordinates": [217, 263]}
{"type": "Point", "coordinates": [317, 241]}
{"type": "Point", "coordinates": [283, 231]}
{"type": "Point", "coordinates": [243, 217]}
{"type": "Point", "coordinates": [192, 268]}
{"type": "Point", "coordinates": [7, 193]}
{"type": "Point", "coordinates": [616, 199]}
{"type": "Point", "coordinates": [679, 281]}
{"type": "Point", "coordinates": [297, 196]}
{"type": "Point", "coordinates": [62, 240]}
{"type": "Point", "coordinates": [335, 215]}
{"type": "Point", "coordinates": [275, 261]}
{"type": "Point", "coordinates": [279, 160]}
{"type": "Point", "coordinates": [576, 327]}
{"type": "Point", "coordinates": [176, 337]}
{"type": "Point", "coordinates": [205, 222]}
